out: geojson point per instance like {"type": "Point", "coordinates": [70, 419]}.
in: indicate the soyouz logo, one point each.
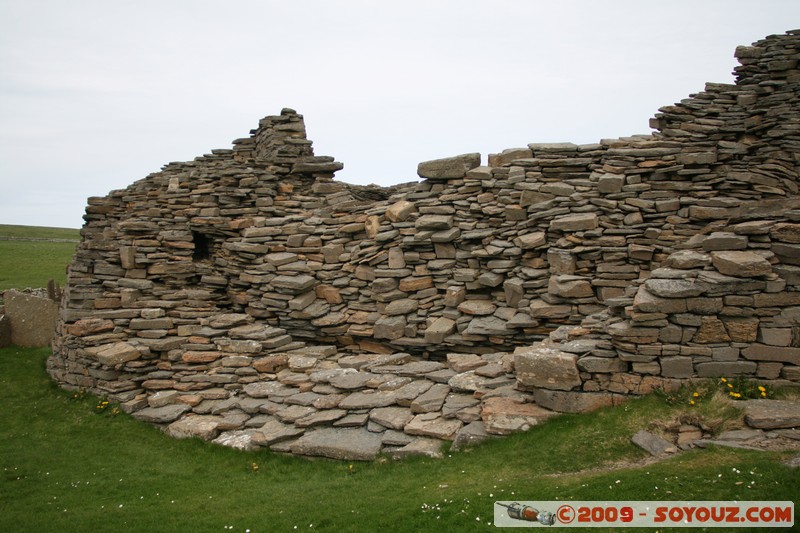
{"type": "Point", "coordinates": [644, 514]}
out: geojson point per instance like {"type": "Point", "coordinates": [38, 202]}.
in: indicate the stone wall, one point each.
{"type": "Point", "coordinates": [247, 294]}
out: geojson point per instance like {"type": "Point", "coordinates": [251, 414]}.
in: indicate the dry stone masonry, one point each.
{"type": "Point", "coordinates": [248, 298]}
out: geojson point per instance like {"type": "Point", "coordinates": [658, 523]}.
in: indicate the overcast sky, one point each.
{"type": "Point", "coordinates": [95, 95]}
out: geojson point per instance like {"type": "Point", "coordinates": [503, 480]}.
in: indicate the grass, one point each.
{"type": "Point", "coordinates": [32, 264]}
{"type": "Point", "coordinates": [66, 467]}
{"type": "Point", "coordinates": [38, 232]}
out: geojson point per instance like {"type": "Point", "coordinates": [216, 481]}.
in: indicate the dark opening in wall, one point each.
{"type": "Point", "coordinates": [202, 246]}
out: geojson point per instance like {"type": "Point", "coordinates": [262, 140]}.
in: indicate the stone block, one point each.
{"type": "Point", "coordinates": [566, 286]}
{"type": "Point", "coordinates": [575, 222]}
{"type": "Point", "coordinates": [531, 240]}
{"type": "Point", "coordinates": [449, 167]}
{"type": "Point", "coordinates": [546, 367]}
{"type": "Point", "coordinates": [573, 401]}
{"type": "Point", "coordinates": [344, 444]}
{"type": "Point", "coordinates": [762, 352]}
{"type": "Point", "coordinates": [713, 369]}
{"type": "Point", "coordinates": [504, 416]}
{"type": "Point", "coordinates": [741, 264]}
{"type": "Point", "coordinates": [32, 318]}
{"type": "Point", "coordinates": [676, 367]}
{"type": "Point", "coordinates": [722, 240]}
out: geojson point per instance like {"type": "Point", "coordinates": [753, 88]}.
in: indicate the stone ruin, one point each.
{"type": "Point", "coordinates": [249, 298]}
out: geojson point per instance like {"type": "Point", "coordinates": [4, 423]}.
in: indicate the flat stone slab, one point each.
{"type": "Point", "coordinates": [274, 431]}
{"type": "Point", "coordinates": [339, 443]}
{"type": "Point", "coordinates": [421, 446]}
{"type": "Point", "coordinates": [653, 444]}
{"type": "Point", "coordinates": [202, 426]}
{"type": "Point", "coordinates": [469, 435]}
{"type": "Point", "coordinates": [772, 414]}
{"type": "Point", "coordinates": [433, 425]}
{"type": "Point", "coordinates": [391, 417]}
{"type": "Point", "coordinates": [504, 416]}
{"type": "Point", "coordinates": [162, 415]}
{"type": "Point", "coordinates": [240, 439]}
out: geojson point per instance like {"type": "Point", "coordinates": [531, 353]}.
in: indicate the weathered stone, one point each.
{"type": "Point", "coordinates": [741, 264]}
{"type": "Point", "coordinates": [202, 426]}
{"type": "Point", "coordinates": [434, 222]}
{"type": "Point", "coordinates": [440, 329]}
{"type": "Point", "coordinates": [570, 287]}
{"type": "Point", "coordinates": [503, 416]}
{"type": "Point", "coordinates": [273, 432]}
{"type": "Point", "coordinates": [471, 434]}
{"type": "Point", "coordinates": [400, 211]}
{"type": "Point", "coordinates": [572, 401]}
{"type": "Point", "coordinates": [32, 318]}
{"type": "Point", "coordinates": [339, 443]}
{"type": "Point", "coordinates": [722, 240]}
{"type": "Point", "coordinates": [477, 307]}
{"type": "Point", "coordinates": [421, 446]}
{"type": "Point", "coordinates": [576, 222]}
{"type": "Point", "coordinates": [653, 444]}
{"type": "Point", "coordinates": [772, 414]}
{"type": "Point", "coordinates": [162, 415]}
{"type": "Point", "coordinates": [391, 417]}
{"type": "Point", "coordinates": [687, 259]}
{"type": "Point", "coordinates": [546, 367]}
{"type": "Point", "coordinates": [448, 168]}
{"type": "Point", "coordinates": [488, 325]}
{"type": "Point", "coordinates": [115, 354]}
{"type": "Point", "coordinates": [673, 288]}
{"type": "Point", "coordinates": [531, 240]}
{"type": "Point", "coordinates": [433, 425]}
{"type": "Point", "coordinates": [431, 400]}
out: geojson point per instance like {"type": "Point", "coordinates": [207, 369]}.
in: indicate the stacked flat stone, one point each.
{"type": "Point", "coordinates": [600, 270]}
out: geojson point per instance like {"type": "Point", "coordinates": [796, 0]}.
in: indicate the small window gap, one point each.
{"type": "Point", "coordinates": [202, 246]}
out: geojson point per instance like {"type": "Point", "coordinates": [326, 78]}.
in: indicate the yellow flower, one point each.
{"type": "Point", "coordinates": [763, 394]}
{"type": "Point", "coordinates": [691, 402]}
{"type": "Point", "coordinates": [761, 388]}
{"type": "Point", "coordinates": [730, 385]}
{"type": "Point", "coordinates": [723, 380]}
{"type": "Point", "coordinates": [696, 394]}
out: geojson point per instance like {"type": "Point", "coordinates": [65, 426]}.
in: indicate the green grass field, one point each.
{"type": "Point", "coordinates": [67, 468]}
{"type": "Point", "coordinates": [28, 263]}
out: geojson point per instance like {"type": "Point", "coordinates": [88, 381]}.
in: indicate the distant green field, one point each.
{"type": "Point", "coordinates": [37, 232]}
{"type": "Point", "coordinates": [32, 263]}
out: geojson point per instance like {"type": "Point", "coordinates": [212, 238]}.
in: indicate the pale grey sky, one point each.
{"type": "Point", "coordinates": [96, 94]}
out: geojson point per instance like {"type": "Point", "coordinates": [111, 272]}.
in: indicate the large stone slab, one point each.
{"type": "Point", "coordinates": [433, 425]}
{"type": "Point", "coordinates": [772, 414]}
{"type": "Point", "coordinates": [504, 416]}
{"type": "Point", "coordinates": [541, 366]}
{"type": "Point", "coordinates": [162, 415]}
{"type": "Point", "coordinates": [741, 264]}
{"type": "Point", "coordinates": [339, 443]}
{"type": "Point", "coordinates": [202, 426]}
{"type": "Point", "coordinates": [33, 319]}
{"type": "Point", "coordinates": [449, 167]}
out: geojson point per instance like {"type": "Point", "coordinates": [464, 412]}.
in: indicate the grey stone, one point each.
{"type": "Point", "coordinates": [202, 426]}
{"type": "Point", "coordinates": [470, 435]}
{"type": "Point", "coordinates": [449, 167]}
{"type": "Point", "coordinates": [162, 415]}
{"type": "Point", "coordinates": [546, 367]}
{"type": "Point", "coordinates": [344, 444]}
{"type": "Point", "coordinates": [653, 444]}
{"type": "Point", "coordinates": [421, 446]}
{"type": "Point", "coordinates": [391, 417]}
{"type": "Point", "coordinates": [433, 425]}
{"type": "Point", "coordinates": [772, 414]}
{"type": "Point", "coordinates": [431, 400]}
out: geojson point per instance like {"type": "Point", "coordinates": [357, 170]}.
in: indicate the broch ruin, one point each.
{"type": "Point", "coordinates": [247, 297]}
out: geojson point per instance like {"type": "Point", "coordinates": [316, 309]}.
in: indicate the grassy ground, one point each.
{"type": "Point", "coordinates": [65, 467]}
{"type": "Point", "coordinates": [33, 263]}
